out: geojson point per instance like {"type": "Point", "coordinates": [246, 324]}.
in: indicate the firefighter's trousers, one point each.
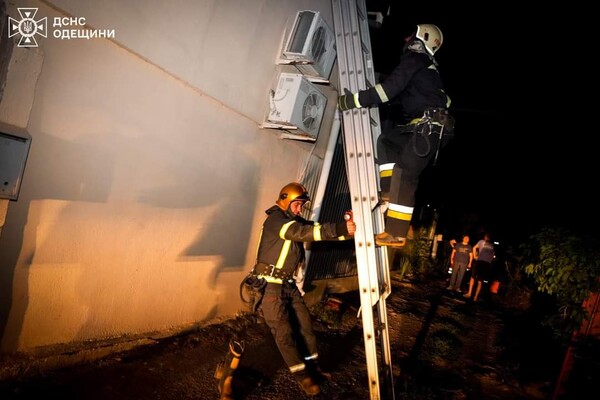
{"type": "Point", "coordinates": [403, 153]}
{"type": "Point", "coordinates": [287, 316]}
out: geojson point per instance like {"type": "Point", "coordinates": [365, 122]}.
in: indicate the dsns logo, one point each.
{"type": "Point", "coordinates": [27, 27]}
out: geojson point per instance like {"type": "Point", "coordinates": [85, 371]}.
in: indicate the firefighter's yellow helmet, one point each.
{"type": "Point", "coordinates": [290, 192]}
{"type": "Point", "coordinates": [431, 36]}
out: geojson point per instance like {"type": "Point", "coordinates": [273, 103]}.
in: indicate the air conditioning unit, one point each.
{"type": "Point", "coordinates": [297, 104]}
{"type": "Point", "coordinates": [311, 44]}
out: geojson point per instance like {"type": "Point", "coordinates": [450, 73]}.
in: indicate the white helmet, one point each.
{"type": "Point", "coordinates": [431, 36]}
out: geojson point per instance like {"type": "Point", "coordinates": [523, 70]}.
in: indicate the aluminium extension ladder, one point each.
{"type": "Point", "coordinates": [360, 129]}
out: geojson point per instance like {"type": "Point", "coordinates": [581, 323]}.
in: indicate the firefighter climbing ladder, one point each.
{"type": "Point", "coordinates": [360, 129]}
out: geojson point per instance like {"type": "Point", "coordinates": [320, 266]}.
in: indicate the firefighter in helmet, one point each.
{"type": "Point", "coordinates": [417, 126]}
{"type": "Point", "coordinates": [280, 253]}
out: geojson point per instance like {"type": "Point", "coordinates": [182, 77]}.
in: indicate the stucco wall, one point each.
{"type": "Point", "coordinates": [148, 174]}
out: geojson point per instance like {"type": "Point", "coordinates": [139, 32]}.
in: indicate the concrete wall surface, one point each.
{"type": "Point", "coordinates": [148, 173]}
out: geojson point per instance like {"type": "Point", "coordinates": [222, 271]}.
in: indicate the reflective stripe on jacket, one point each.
{"type": "Point", "coordinates": [415, 83]}
{"type": "Point", "coordinates": [282, 239]}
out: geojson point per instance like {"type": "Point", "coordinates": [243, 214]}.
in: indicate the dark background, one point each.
{"type": "Point", "coordinates": [522, 156]}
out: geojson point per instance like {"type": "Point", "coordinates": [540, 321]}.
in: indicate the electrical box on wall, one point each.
{"type": "Point", "coordinates": [310, 45]}
{"type": "Point", "coordinates": [296, 104]}
{"type": "Point", "coordinates": [14, 149]}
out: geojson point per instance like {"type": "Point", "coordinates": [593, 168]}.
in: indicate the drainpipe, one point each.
{"type": "Point", "coordinates": [333, 137]}
{"type": "Point", "coordinates": [320, 192]}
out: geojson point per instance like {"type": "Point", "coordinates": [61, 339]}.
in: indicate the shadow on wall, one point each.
{"type": "Point", "coordinates": [83, 174]}
{"type": "Point", "coordinates": [229, 232]}
{"type": "Point", "coordinates": [49, 174]}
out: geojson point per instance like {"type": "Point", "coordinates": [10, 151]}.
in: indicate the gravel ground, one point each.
{"type": "Point", "coordinates": [442, 347]}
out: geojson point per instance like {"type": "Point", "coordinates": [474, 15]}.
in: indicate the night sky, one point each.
{"type": "Point", "coordinates": [519, 159]}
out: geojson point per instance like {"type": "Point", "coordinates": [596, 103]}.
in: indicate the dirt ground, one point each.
{"type": "Point", "coordinates": [442, 347]}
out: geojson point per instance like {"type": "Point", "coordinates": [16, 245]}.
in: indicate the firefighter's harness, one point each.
{"type": "Point", "coordinates": [434, 120]}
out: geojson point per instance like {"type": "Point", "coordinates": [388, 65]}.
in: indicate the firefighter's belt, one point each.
{"type": "Point", "coordinates": [433, 116]}
{"type": "Point", "coordinates": [271, 274]}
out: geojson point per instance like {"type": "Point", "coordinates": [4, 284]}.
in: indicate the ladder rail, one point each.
{"type": "Point", "coordinates": [379, 223]}
{"type": "Point", "coordinates": [357, 150]}
{"type": "Point", "coordinates": [356, 73]}
{"type": "Point", "coordinates": [367, 290]}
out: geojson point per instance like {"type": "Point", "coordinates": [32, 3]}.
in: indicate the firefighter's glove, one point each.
{"type": "Point", "coordinates": [348, 101]}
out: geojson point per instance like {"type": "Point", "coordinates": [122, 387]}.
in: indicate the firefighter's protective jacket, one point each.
{"type": "Point", "coordinates": [415, 83]}
{"type": "Point", "coordinates": [281, 248]}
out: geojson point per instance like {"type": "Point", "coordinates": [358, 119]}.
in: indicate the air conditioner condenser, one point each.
{"type": "Point", "coordinates": [311, 44]}
{"type": "Point", "coordinates": [297, 103]}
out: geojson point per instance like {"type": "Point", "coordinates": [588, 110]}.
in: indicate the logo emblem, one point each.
{"type": "Point", "coordinates": [27, 27]}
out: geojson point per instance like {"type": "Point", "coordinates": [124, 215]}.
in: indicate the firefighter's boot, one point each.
{"type": "Point", "coordinates": [385, 239]}
{"type": "Point", "coordinates": [309, 386]}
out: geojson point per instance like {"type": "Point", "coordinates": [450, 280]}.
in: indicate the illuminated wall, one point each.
{"type": "Point", "coordinates": [148, 173]}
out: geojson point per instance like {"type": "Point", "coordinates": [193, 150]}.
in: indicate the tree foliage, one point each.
{"type": "Point", "coordinates": [415, 258]}
{"type": "Point", "coordinates": [566, 266]}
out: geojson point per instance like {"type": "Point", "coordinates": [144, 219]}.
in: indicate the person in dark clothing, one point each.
{"type": "Point", "coordinates": [460, 260]}
{"type": "Point", "coordinates": [413, 134]}
{"type": "Point", "coordinates": [280, 254]}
